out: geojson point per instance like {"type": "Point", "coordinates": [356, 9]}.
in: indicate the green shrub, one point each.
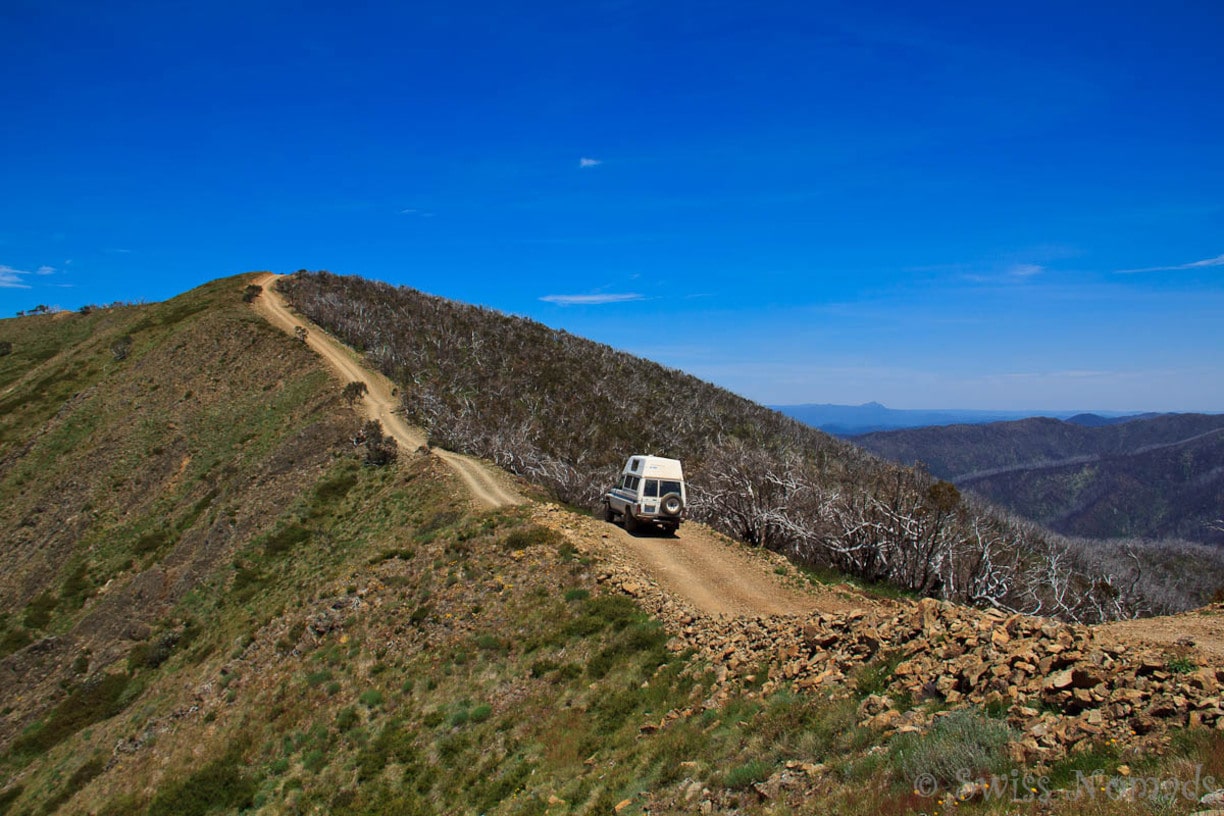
{"type": "Point", "coordinates": [219, 785]}
{"type": "Point", "coordinates": [543, 666]}
{"type": "Point", "coordinates": [401, 553]}
{"type": "Point", "coordinates": [371, 698]}
{"type": "Point", "coordinates": [285, 539]}
{"type": "Point", "coordinates": [490, 643]}
{"type": "Point", "coordinates": [597, 613]}
{"type": "Point", "coordinates": [14, 640]}
{"type": "Point", "coordinates": [81, 777]}
{"type": "Point", "coordinates": [578, 594]}
{"type": "Point", "coordinates": [8, 797]}
{"type": "Point", "coordinates": [314, 760]}
{"type": "Point", "coordinates": [1181, 665]}
{"type": "Point", "coordinates": [354, 391]}
{"type": "Point", "coordinates": [38, 613]}
{"type": "Point", "coordinates": [347, 719]}
{"type": "Point", "coordinates": [93, 701]}
{"type": "Point", "coordinates": [318, 678]}
{"type": "Point", "coordinates": [530, 536]}
{"type": "Point", "coordinates": [874, 677]}
{"type": "Point", "coordinates": [963, 743]}
{"type": "Point", "coordinates": [1096, 758]}
{"type": "Point", "coordinates": [333, 490]}
{"type": "Point", "coordinates": [481, 713]}
{"type": "Point", "coordinates": [248, 581]}
{"type": "Point", "coordinates": [746, 775]}
{"type": "Point", "coordinates": [152, 654]}
{"type": "Point", "coordinates": [76, 588]}
{"type": "Point", "coordinates": [151, 542]}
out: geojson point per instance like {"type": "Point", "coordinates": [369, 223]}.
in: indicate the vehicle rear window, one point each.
{"type": "Point", "coordinates": [655, 488]}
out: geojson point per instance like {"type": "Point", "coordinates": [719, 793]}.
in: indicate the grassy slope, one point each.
{"type": "Point", "coordinates": [228, 613]}
{"type": "Point", "coordinates": [242, 616]}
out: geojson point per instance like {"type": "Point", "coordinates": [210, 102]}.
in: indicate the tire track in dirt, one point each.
{"type": "Point", "coordinates": [718, 577]}
{"type": "Point", "coordinates": [380, 401]}
{"type": "Point", "coordinates": [706, 572]}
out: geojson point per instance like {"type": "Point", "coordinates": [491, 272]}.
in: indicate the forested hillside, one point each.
{"type": "Point", "coordinates": [1157, 477]}
{"type": "Point", "coordinates": [564, 412]}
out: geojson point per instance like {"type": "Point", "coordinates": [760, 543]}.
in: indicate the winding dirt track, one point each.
{"type": "Point", "coordinates": [487, 487]}
{"type": "Point", "coordinates": [711, 574]}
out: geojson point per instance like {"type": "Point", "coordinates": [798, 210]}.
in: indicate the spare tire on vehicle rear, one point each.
{"type": "Point", "coordinates": [671, 504]}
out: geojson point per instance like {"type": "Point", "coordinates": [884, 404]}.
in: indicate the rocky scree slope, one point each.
{"type": "Point", "coordinates": [1061, 685]}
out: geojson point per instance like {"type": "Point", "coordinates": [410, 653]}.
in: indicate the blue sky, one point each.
{"type": "Point", "coordinates": [976, 205]}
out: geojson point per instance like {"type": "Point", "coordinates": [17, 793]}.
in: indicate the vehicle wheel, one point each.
{"type": "Point", "coordinates": [609, 513]}
{"type": "Point", "coordinates": [631, 523]}
{"type": "Point", "coordinates": [671, 504]}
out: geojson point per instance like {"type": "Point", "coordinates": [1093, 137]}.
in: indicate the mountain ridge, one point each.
{"type": "Point", "coordinates": [1155, 477]}
{"type": "Point", "coordinates": [853, 420]}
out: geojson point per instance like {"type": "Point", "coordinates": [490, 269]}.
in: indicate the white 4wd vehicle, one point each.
{"type": "Point", "coordinates": [650, 491]}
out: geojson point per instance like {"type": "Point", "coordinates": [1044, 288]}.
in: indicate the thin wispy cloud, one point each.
{"type": "Point", "coordinates": [416, 212]}
{"type": "Point", "coordinates": [45, 270]}
{"type": "Point", "coordinates": [1203, 264]}
{"type": "Point", "coordinates": [592, 300]}
{"type": "Point", "coordinates": [1024, 271]}
{"type": "Point", "coordinates": [1015, 273]}
{"type": "Point", "coordinates": [11, 278]}
{"type": "Point", "coordinates": [588, 162]}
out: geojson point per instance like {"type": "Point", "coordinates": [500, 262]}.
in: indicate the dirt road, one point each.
{"type": "Point", "coordinates": [717, 576]}
{"type": "Point", "coordinates": [714, 575]}
{"type": "Point", "coordinates": [487, 487]}
{"type": "Point", "coordinates": [707, 572]}
{"type": "Point", "coordinates": [1201, 629]}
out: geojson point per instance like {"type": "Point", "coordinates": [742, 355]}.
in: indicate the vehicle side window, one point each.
{"type": "Point", "coordinates": [652, 488]}
{"type": "Point", "coordinates": [668, 487]}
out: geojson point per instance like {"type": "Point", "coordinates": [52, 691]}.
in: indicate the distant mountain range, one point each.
{"type": "Point", "coordinates": [852, 420]}
{"type": "Point", "coordinates": [1155, 476]}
